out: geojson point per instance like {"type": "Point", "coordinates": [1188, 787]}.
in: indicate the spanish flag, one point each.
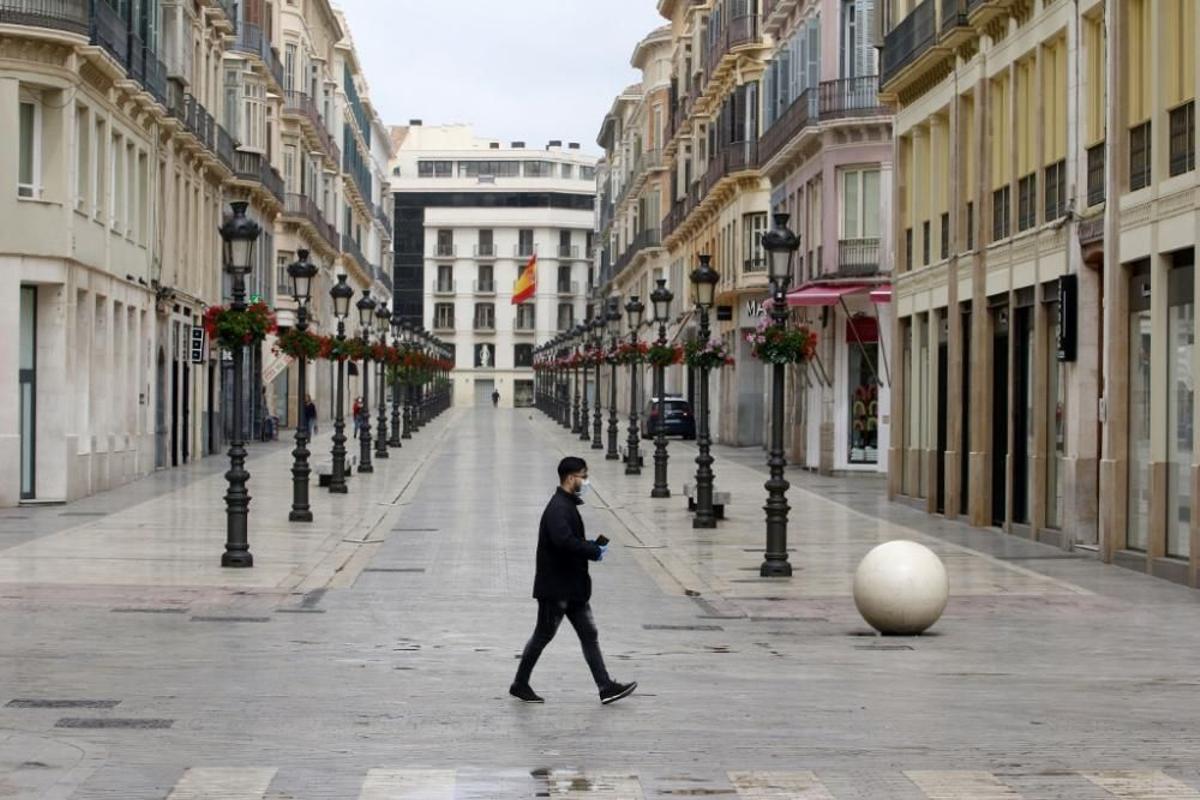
{"type": "Point", "coordinates": [526, 285]}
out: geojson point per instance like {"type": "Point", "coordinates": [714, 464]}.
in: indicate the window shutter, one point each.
{"type": "Point", "coordinates": [814, 52]}
{"type": "Point", "coordinates": [784, 98]}
{"type": "Point", "coordinates": [799, 68]}
{"type": "Point", "coordinates": [867, 54]}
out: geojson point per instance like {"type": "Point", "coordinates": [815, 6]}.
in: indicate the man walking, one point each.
{"type": "Point", "coordinates": [562, 586]}
{"type": "Point", "coordinates": [495, 397]}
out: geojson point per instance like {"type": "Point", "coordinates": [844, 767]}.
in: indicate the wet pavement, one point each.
{"type": "Point", "coordinates": [368, 655]}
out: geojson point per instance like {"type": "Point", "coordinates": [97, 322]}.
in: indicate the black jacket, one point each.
{"type": "Point", "coordinates": [563, 552]}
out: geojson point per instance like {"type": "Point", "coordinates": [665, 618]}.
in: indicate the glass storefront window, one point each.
{"type": "Point", "coordinates": [1138, 531]}
{"type": "Point", "coordinates": [1180, 338]}
{"type": "Point", "coordinates": [1056, 419]}
{"type": "Point", "coordinates": [864, 402]}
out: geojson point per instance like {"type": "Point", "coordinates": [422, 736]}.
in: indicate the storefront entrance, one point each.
{"type": "Point", "coordinates": [27, 380]}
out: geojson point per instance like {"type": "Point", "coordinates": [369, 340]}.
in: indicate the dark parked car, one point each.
{"type": "Point", "coordinates": [679, 419]}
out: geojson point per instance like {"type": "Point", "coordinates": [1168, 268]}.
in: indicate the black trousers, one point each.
{"type": "Point", "coordinates": [550, 616]}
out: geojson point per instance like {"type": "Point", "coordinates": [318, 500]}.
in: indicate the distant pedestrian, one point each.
{"type": "Point", "coordinates": [356, 414]}
{"type": "Point", "coordinates": [495, 397]}
{"type": "Point", "coordinates": [310, 416]}
{"type": "Point", "coordinates": [562, 586]}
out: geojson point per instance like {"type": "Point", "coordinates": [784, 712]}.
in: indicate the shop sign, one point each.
{"type": "Point", "coordinates": [197, 344]}
{"type": "Point", "coordinates": [752, 311]}
{"type": "Point", "coordinates": [1068, 309]}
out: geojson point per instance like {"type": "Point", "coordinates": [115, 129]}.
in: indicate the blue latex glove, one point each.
{"type": "Point", "coordinates": [603, 552]}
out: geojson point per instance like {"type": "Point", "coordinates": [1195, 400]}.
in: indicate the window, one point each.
{"type": "Point", "coordinates": [99, 162]}
{"type": "Point", "coordinates": [487, 244]}
{"type": "Point", "coordinates": [29, 146]}
{"type": "Point", "coordinates": [1139, 157]}
{"type": "Point", "coordinates": [564, 280]}
{"type": "Point", "coordinates": [539, 169]}
{"type": "Point", "coordinates": [971, 225]}
{"type": "Point", "coordinates": [525, 242]}
{"type": "Point", "coordinates": [908, 248]}
{"type": "Point", "coordinates": [443, 316]}
{"type": "Point", "coordinates": [116, 184]}
{"type": "Point", "coordinates": [526, 316]}
{"type": "Point", "coordinates": [131, 184]}
{"type": "Point", "coordinates": [926, 242]}
{"type": "Point", "coordinates": [566, 316]}
{"type": "Point", "coordinates": [587, 173]}
{"type": "Point", "coordinates": [860, 204]}
{"type": "Point", "coordinates": [523, 355]}
{"type": "Point", "coordinates": [435, 169]}
{"type": "Point", "coordinates": [445, 280]}
{"type": "Point", "coordinates": [1183, 138]}
{"type": "Point", "coordinates": [485, 282]}
{"type": "Point", "coordinates": [143, 206]}
{"type": "Point", "coordinates": [754, 257]}
{"type": "Point", "coordinates": [445, 242]}
{"type": "Point", "coordinates": [485, 317]}
{"type": "Point", "coordinates": [1001, 213]}
{"type": "Point", "coordinates": [944, 225]}
{"type": "Point", "coordinates": [1026, 202]}
{"type": "Point", "coordinates": [254, 116]}
{"type": "Point", "coordinates": [568, 171]}
{"type": "Point", "coordinates": [289, 168]}
{"type": "Point", "coordinates": [496, 169]}
{"type": "Point", "coordinates": [289, 67]}
{"type": "Point", "coordinates": [83, 156]}
{"type": "Point", "coordinates": [1056, 190]}
{"type": "Point", "coordinates": [849, 66]}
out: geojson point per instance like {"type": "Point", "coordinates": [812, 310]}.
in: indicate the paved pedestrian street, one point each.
{"type": "Point", "coordinates": [368, 655]}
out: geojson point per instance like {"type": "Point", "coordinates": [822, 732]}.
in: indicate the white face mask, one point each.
{"type": "Point", "coordinates": [584, 487]}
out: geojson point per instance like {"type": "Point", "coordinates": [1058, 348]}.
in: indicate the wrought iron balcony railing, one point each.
{"type": "Point", "coordinates": [303, 105]}
{"type": "Point", "coordinates": [301, 205]}
{"type": "Point", "coordinates": [902, 45]}
{"type": "Point", "coordinates": [255, 167]}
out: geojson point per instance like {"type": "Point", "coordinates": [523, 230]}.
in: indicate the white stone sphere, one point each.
{"type": "Point", "coordinates": [901, 587]}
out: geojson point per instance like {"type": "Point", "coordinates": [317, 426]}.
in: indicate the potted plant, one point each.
{"type": "Point", "coordinates": [712, 354]}
{"type": "Point", "coordinates": [782, 345]}
{"type": "Point", "coordinates": [232, 329]}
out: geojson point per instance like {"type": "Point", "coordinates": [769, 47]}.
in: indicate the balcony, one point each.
{"type": "Point", "coordinates": [568, 288]}
{"type": "Point", "coordinates": [908, 41]}
{"type": "Point", "coordinates": [644, 240]}
{"type": "Point", "coordinates": [858, 257]}
{"type": "Point", "coordinates": [443, 288]}
{"type": "Point", "coordinates": [674, 217]}
{"type": "Point", "coordinates": [301, 206]}
{"type": "Point", "coordinates": [443, 250]}
{"type": "Point", "coordinates": [351, 248]}
{"type": "Point", "coordinates": [255, 168]}
{"type": "Point", "coordinates": [485, 250]}
{"type": "Point", "coordinates": [733, 157]}
{"type": "Point", "coordinates": [1095, 174]}
{"type": "Point", "coordinates": [303, 106]}
{"type": "Point", "coordinates": [381, 276]}
{"type": "Point", "coordinates": [251, 40]}
{"type": "Point", "coordinates": [196, 120]}
{"type": "Point", "coordinates": [524, 250]}
{"type": "Point", "coordinates": [443, 326]}
{"type": "Point", "coordinates": [484, 287]}
{"type": "Point", "coordinates": [982, 12]}
{"type": "Point", "coordinates": [753, 266]}
{"type": "Point", "coordinates": [60, 15]}
{"type": "Point", "coordinates": [525, 325]}
{"type": "Point", "coordinates": [568, 251]}
{"type": "Point", "coordinates": [799, 115]}
{"type": "Point", "coordinates": [737, 32]}
{"type": "Point", "coordinates": [383, 219]}
{"type": "Point", "coordinates": [484, 325]}
{"type": "Point", "coordinates": [846, 98]}
{"type": "Point", "coordinates": [956, 27]}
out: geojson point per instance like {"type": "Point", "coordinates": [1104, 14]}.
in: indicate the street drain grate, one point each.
{"type": "Point", "coordinates": [164, 610]}
{"type": "Point", "coordinates": [95, 722]}
{"type": "Point", "coordinates": [682, 628]}
{"type": "Point", "coordinates": [394, 569]}
{"type": "Point", "coordinates": [42, 703]}
{"type": "Point", "coordinates": [231, 619]}
{"type": "Point", "coordinates": [882, 647]}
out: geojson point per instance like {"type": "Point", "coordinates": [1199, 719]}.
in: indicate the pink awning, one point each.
{"type": "Point", "coordinates": [881, 294]}
{"type": "Point", "coordinates": [823, 295]}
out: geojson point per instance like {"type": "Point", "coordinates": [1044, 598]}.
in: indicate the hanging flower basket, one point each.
{"type": "Point", "coordinates": [299, 344]}
{"type": "Point", "coordinates": [664, 355]}
{"type": "Point", "coordinates": [631, 353]}
{"type": "Point", "coordinates": [782, 345]}
{"type": "Point", "coordinates": [349, 349]}
{"type": "Point", "coordinates": [233, 329]}
{"type": "Point", "coordinates": [712, 354]}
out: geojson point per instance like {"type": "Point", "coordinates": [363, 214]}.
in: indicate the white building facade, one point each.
{"type": "Point", "coordinates": [470, 215]}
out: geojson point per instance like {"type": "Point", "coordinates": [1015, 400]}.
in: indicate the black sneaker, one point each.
{"type": "Point", "coordinates": [524, 693]}
{"type": "Point", "coordinates": [615, 691]}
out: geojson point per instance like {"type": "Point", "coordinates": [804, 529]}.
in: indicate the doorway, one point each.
{"type": "Point", "coordinates": [27, 381]}
{"type": "Point", "coordinates": [483, 392]}
{"type": "Point", "coordinates": [943, 386]}
{"type": "Point", "coordinates": [160, 411]}
{"type": "Point", "coordinates": [964, 443]}
{"type": "Point", "coordinates": [999, 415]}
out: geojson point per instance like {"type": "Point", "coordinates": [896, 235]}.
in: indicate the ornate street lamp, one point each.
{"type": "Point", "coordinates": [613, 317]}
{"type": "Point", "coordinates": [576, 337]}
{"type": "Point", "coordinates": [781, 245]}
{"type": "Point", "coordinates": [581, 344]}
{"type": "Point", "coordinates": [341, 293]}
{"type": "Point", "coordinates": [704, 281]}
{"type": "Point", "coordinates": [660, 299]}
{"type": "Point", "coordinates": [382, 317]}
{"type": "Point", "coordinates": [301, 271]}
{"type": "Point", "coordinates": [239, 234]}
{"type": "Point", "coordinates": [394, 439]}
{"type": "Point", "coordinates": [597, 341]}
{"type": "Point", "coordinates": [633, 459]}
{"type": "Point", "coordinates": [406, 344]}
{"type": "Point", "coordinates": [366, 320]}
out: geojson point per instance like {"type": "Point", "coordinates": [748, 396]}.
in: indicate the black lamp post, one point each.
{"type": "Point", "coordinates": [341, 293]}
{"type": "Point", "coordinates": [781, 245]}
{"type": "Point", "coordinates": [597, 340]}
{"type": "Point", "coordinates": [406, 414]}
{"type": "Point", "coordinates": [382, 317]}
{"type": "Point", "coordinates": [394, 439]}
{"type": "Point", "coordinates": [581, 340]}
{"type": "Point", "coordinates": [660, 299]}
{"type": "Point", "coordinates": [239, 234]}
{"type": "Point", "coordinates": [633, 459]}
{"type": "Point", "coordinates": [704, 280]}
{"type": "Point", "coordinates": [366, 320]}
{"type": "Point", "coordinates": [301, 271]}
{"type": "Point", "coordinates": [613, 318]}
{"type": "Point", "coordinates": [579, 404]}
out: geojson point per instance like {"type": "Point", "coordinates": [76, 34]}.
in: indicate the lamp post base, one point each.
{"type": "Point", "coordinates": [237, 559]}
{"type": "Point", "coordinates": [660, 493]}
{"type": "Point", "coordinates": [704, 522]}
{"type": "Point", "coordinates": [365, 468]}
{"type": "Point", "coordinates": [775, 569]}
{"type": "Point", "coordinates": [300, 516]}
{"type": "Point", "coordinates": [340, 489]}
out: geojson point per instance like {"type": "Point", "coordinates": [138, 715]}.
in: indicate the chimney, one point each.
{"type": "Point", "coordinates": [555, 144]}
{"type": "Point", "coordinates": [573, 146]}
{"type": "Point", "coordinates": [494, 145]}
{"type": "Point", "coordinates": [517, 145]}
{"type": "Point", "coordinates": [416, 123]}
